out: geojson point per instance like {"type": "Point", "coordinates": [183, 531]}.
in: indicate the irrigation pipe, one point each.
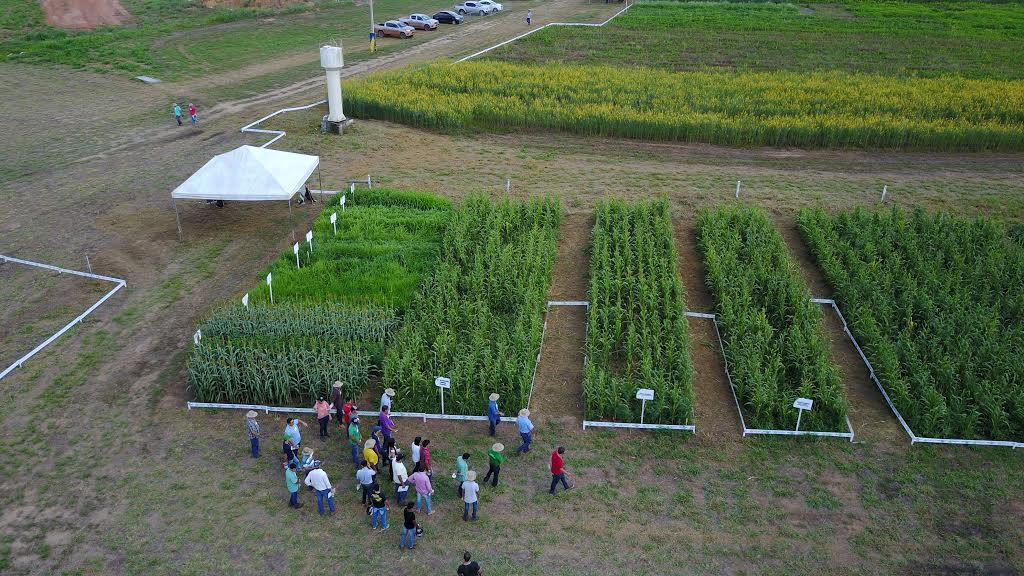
{"type": "Point", "coordinates": [119, 283]}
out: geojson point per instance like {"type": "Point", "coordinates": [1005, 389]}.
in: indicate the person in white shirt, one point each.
{"type": "Point", "coordinates": [470, 489]}
{"type": "Point", "coordinates": [385, 398]}
{"type": "Point", "coordinates": [400, 476]}
{"type": "Point", "coordinates": [416, 454]}
{"type": "Point", "coordinates": [317, 479]}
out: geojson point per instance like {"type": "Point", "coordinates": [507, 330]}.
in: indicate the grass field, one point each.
{"type": "Point", "coordinates": [970, 39]}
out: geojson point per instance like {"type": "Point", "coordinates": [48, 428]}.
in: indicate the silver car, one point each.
{"type": "Point", "coordinates": [473, 7]}
{"type": "Point", "coordinates": [420, 22]}
{"type": "Point", "coordinates": [494, 5]}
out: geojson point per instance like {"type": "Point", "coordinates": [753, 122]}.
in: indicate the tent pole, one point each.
{"type": "Point", "coordinates": [177, 218]}
{"type": "Point", "coordinates": [321, 180]}
{"type": "Point", "coordinates": [291, 221]}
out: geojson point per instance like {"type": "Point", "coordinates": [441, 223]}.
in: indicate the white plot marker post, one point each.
{"type": "Point", "coordinates": [342, 202]}
{"type": "Point", "coordinates": [738, 184]}
{"type": "Point", "coordinates": [643, 395]}
{"type": "Point", "coordinates": [270, 285]}
{"type": "Point", "coordinates": [295, 248]}
{"type": "Point", "coordinates": [802, 404]}
{"type": "Point", "coordinates": [197, 337]}
{"type": "Point", "coordinates": [885, 189]}
{"type": "Point", "coordinates": [442, 383]}
{"type": "Point", "coordinates": [309, 238]}
{"type": "Point", "coordinates": [245, 300]}
{"type": "Point", "coordinates": [334, 222]}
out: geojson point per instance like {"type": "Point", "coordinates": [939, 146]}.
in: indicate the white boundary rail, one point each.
{"type": "Point", "coordinates": [119, 283]}
{"type": "Point", "coordinates": [267, 409]}
{"type": "Point", "coordinates": [914, 438]}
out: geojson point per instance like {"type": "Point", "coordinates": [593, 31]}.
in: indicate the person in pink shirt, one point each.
{"type": "Point", "coordinates": [323, 416]}
{"type": "Point", "coordinates": [424, 490]}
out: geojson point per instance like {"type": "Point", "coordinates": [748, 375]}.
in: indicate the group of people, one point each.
{"type": "Point", "coordinates": [193, 116]}
{"type": "Point", "coordinates": [380, 451]}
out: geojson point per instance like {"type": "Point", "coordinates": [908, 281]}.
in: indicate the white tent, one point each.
{"type": "Point", "coordinates": [248, 173]}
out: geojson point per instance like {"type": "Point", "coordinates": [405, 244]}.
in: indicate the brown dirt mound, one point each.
{"type": "Point", "coordinates": [84, 14]}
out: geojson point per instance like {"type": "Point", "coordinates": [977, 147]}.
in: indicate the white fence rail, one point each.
{"type": "Point", "coordinates": [118, 284]}
{"type": "Point", "coordinates": [600, 424]}
{"type": "Point", "coordinates": [268, 409]}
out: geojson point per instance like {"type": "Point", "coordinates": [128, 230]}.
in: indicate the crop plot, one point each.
{"type": "Point", "coordinates": [936, 302]}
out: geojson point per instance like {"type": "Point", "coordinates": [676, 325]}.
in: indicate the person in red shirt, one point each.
{"type": "Point", "coordinates": [558, 470]}
{"type": "Point", "coordinates": [193, 116]}
{"type": "Point", "coordinates": [425, 463]}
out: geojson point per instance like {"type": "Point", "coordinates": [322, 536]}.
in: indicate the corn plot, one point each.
{"type": "Point", "coordinates": [937, 302]}
{"type": "Point", "coordinates": [806, 109]}
{"type": "Point", "coordinates": [331, 319]}
{"type": "Point", "coordinates": [478, 316]}
{"type": "Point", "coordinates": [771, 331]}
{"type": "Point", "coordinates": [636, 327]}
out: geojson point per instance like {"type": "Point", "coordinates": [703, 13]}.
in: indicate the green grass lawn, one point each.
{"type": "Point", "coordinates": [972, 39]}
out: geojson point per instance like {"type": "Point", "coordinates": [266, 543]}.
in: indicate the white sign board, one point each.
{"type": "Point", "coordinates": [803, 403]}
{"type": "Point", "coordinates": [334, 217]}
{"type": "Point", "coordinates": [442, 382]}
{"type": "Point", "coordinates": [197, 337]}
{"type": "Point", "coordinates": [309, 236]}
{"type": "Point", "coordinates": [270, 278]}
{"type": "Point", "coordinates": [245, 300]}
{"type": "Point", "coordinates": [645, 394]}
{"type": "Point", "coordinates": [342, 202]}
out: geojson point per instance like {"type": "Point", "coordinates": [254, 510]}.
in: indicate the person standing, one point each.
{"type": "Point", "coordinates": [338, 401]}
{"type": "Point", "coordinates": [291, 430]}
{"type": "Point", "coordinates": [424, 490]}
{"type": "Point", "coordinates": [365, 478]}
{"type": "Point", "coordinates": [494, 460]}
{"type": "Point", "coordinates": [425, 462]}
{"type": "Point", "coordinates": [355, 439]}
{"type": "Point", "coordinates": [408, 527]}
{"type": "Point", "coordinates": [378, 508]}
{"type": "Point", "coordinates": [291, 453]}
{"type": "Point", "coordinates": [470, 490]}
{"type": "Point", "coordinates": [461, 468]}
{"type": "Point", "coordinates": [177, 113]}
{"type": "Point", "coordinates": [192, 113]}
{"type": "Point", "coordinates": [378, 442]}
{"type": "Point", "coordinates": [370, 454]}
{"type": "Point", "coordinates": [387, 426]}
{"type": "Point", "coordinates": [291, 480]}
{"type": "Point", "coordinates": [529, 17]}
{"type": "Point", "coordinates": [323, 416]}
{"type": "Point", "coordinates": [317, 479]}
{"type": "Point", "coordinates": [468, 567]}
{"type": "Point", "coordinates": [385, 398]}
{"type": "Point", "coordinates": [400, 476]}
{"type": "Point", "coordinates": [493, 414]}
{"type": "Point", "coordinates": [415, 449]}
{"type": "Point", "coordinates": [558, 470]}
{"type": "Point", "coordinates": [253, 429]}
{"type": "Point", "coordinates": [525, 430]}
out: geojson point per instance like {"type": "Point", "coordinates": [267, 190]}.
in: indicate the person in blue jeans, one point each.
{"type": "Point", "coordinates": [291, 480]}
{"type": "Point", "coordinates": [318, 480]}
{"type": "Point", "coordinates": [493, 414]}
{"type": "Point", "coordinates": [378, 508]}
{"type": "Point", "coordinates": [525, 430]}
{"type": "Point", "coordinates": [409, 528]}
{"type": "Point", "coordinates": [253, 429]}
{"type": "Point", "coordinates": [470, 491]}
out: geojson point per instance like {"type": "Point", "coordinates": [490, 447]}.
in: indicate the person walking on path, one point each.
{"type": "Point", "coordinates": [494, 460]}
{"type": "Point", "coordinates": [424, 490]}
{"type": "Point", "coordinates": [400, 476]}
{"type": "Point", "coordinates": [493, 414]}
{"type": "Point", "coordinates": [470, 490]}
{"type": "Point", "coordinates": [317, 479]}
{"type": "Point", "coordinates": [177, 113]}
{"type": "Point", "coordinates": [291, 480]}
{"type": "Point", "coordinates": [378, 508]}
{"type": "Point", "coordinates": [468, 567]}
{"type": "Point", "coordinates": [408, 527]}
{"type": "Point", "coordinates": [415, 449]}
{"type": "Point", "coordinates": [525, 430]}
{"type": "Point", "coordinates": [558, 470]}
{"type": "Point", "coordinates": [365, 478]}
{"type": "Point", "coordinates": [387, 426]}
{"type": "Point", "coordinates": [461, 468]}
{"type": "Point", "coordinates": [323, 416]}
{"type": "Point", "coordinates": [370, 455]}
{"type": "Point", "coordinates": [253, 429]}
{"type": "Point", "coordinates": [192, 113]}
{"type": "Point", "coordinates": [385, 398]}
{"type": "Point", "coordinates": [529, 17]}
{"type": "Point", "coordinates": [425, 463]}
{"type": "Point", "coordinates": [355, 439]}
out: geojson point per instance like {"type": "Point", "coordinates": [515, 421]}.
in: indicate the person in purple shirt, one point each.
{"type": "Point", "coordinates": [493, 414]}
{"type": "Point", "coordinates": [386, 425]}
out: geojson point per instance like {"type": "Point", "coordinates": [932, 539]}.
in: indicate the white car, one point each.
{"type": "Point", "coordinates": [473, 7]}
{"type": "Point", "coordinates": [420, 22]}
{"type": "Point", "coordinates": [497, 7]}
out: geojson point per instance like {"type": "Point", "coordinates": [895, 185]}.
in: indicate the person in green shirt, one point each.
{"type": "Point", "coordinates": [494, 460]}
{"type": "Point", "coordinates": [461, 468]}
{"type": "Point", "coordinates": [355, 440]}
{"type": "Point", "coordinates": [291, 480]}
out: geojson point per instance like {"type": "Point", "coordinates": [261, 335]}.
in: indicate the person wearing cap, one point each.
{"type": "Point", "coordinates": [317, 480]}
{"type": "Point", "coordinates": [493, 414]}
{"type": "Point", "coordinates": [355, 439]}
{"type": "Point", "coordinates": [323, 416]}
{"type": "Point", "coordinates": [365, 478]}
{"type": "Point", "coordinates": [338, 401]}
{"type": "Point", "coordinates": [400, 476]}
{"type": "Point", "coordinates": [426, 464]}
{"type": "Point", "coordinates": [461, 469]}
{"type": "Point", "coordinates": [291, 480]}
{"type": "Point", "coordinates": [387, 426]}
{"type": "Point", "coordinates": [370, 455]}
{"type": "Point", "coordinates": [558, 470]}
{"type": "Point", "coordinates": [385, 398]}
{"type": "Point", "coordinates": [470, 489]}
{"type": "Point", "coordinates": [253, 429]}
{"type": "Point", "coordinates": [494, 460]}
{"type": "Point", "coordinates": [424, 490]}
{"type": "Point", "coordinates": [525, 430]}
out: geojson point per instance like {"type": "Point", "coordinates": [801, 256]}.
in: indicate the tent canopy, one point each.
{"type": "Point", "coordinates": [248, 173]}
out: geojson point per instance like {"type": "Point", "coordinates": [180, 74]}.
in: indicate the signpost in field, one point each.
{"type": "Point", "coordinates": [643, 395]}
{"type": "Point", "coordinates": [442, 383]}
{"type": "Point", "coordinates": [802, 404]}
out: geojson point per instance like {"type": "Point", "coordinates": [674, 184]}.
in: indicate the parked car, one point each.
{"type": "Point", "coordinates": [496, 7]}
{"type": "Point", "coordinates": [393, 28]}
{"type": "Point", "coordinates": [420, 22]}
{"type": "Point", "coordinates": [473, 7]}
{"type": "Point", "coordinates": [448, 17]}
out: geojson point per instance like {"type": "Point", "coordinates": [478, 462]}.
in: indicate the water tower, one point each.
{"type": "Point", "coordinates": [331, 60]}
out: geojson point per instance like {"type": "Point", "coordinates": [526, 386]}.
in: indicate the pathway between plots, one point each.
{"type": "Point", "coordinates": [870, 416]}
{"type": "Point", "coordinates": [558, 388]}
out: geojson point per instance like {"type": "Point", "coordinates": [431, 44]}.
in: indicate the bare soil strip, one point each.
{"type": "Point", "coordinates": [84, 14]}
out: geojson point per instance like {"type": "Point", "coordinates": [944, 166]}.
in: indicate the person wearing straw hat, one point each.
{"type": "Point", "coordinates": [308, 462]}
{"type": "Point", "coordinates": [253, 429]}
{"type": "Point", "coordinates": [470, 490]}
{"type": "Point", "coordinates": [494, 460]}
{"type": "Point", "coordinates": [493, 414]}
{"type": "Point", "coordinates": [525, 430]}
{"type": "Point", "coordinates": [355, 439]}
{"type": "Point", "coordinates": [323, 416]}
{"type": "Point", "coordinates": [385, 398]}
{"type": "Point", "coordinates": [370, 454]}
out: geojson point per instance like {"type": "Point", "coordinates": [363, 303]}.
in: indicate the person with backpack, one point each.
{"type": "Point", "coordinates": [378, 508]}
